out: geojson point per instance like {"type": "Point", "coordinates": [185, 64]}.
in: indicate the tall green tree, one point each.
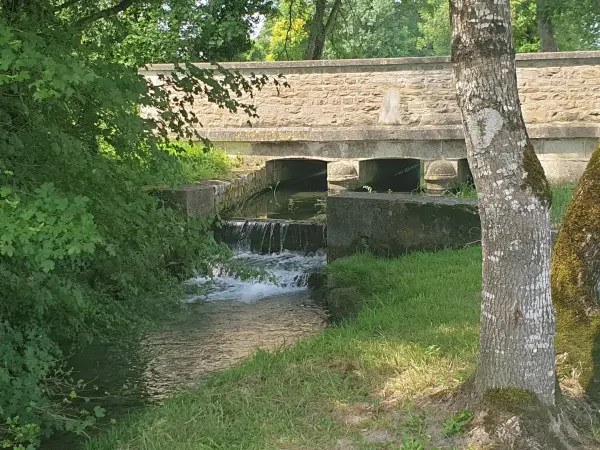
{"type": "Point", "coordinates": [577, 25]}
{"type": "Point", "coordinates": [375, 29]}
{"type": "Point", "coordinates": [435, 27]}
{"type": "Point", "coordinates": [389, 28]}
{"type": "Point", "coordinates": [86, 250]}
{"type": "Point", "coordinates": [319, 27]}
{"type": "Point", "coordinates": [359, 29]}
{"type": "Point", "coordinates": [545, 11]}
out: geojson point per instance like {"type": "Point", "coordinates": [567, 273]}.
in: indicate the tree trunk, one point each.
{"type": "Point", "coordinates": [545, 27]}
{"type": "Point", "coordinates": [517, 318]}
{"type": "Point", "coordinates": [576, 278]}
{"type": "Point", "coordinates": [320, 29]}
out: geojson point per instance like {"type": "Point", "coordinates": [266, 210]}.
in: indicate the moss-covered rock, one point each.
{"type": "Point", "coordinates": [343, 302]}
{"type": "Point", "coordinates": [576, 277]}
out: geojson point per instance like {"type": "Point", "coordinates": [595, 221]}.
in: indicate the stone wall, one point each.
{"type": "Point", "coordinates": [555, 88]}
{"type": "Point", "coordinates": [213, 196]}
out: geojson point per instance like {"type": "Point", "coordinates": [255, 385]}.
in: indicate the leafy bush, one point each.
{"type": "Point", "coordinates": [86, 250]}
{"type": "Point", "coordinates": [201, 162]}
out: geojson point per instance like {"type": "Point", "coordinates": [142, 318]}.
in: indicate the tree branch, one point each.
{"type": "Point", "coordinates": [104, 13]}
{"type": "Point", "coordinates": [289, 30]}
{"type": "Point", "coordinates": [332, 15]}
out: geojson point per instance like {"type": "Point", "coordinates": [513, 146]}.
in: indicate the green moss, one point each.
{"type": "Point", "coordinates": [575, 267]}
{"type": "Point", "coordinates": [510, 399]}
{"type": "Point", "coordinates": [536, 178]}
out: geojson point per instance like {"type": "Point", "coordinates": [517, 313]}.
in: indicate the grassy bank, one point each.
{"type": "Point", "coordinates": [417, 335]}
{"type": "Point", "coordinates": [561, 197]}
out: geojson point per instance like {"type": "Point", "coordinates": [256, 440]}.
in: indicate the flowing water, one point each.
{"type": "Point", "coordinates": [283, 202]}
{"type": "Point", "coordinates": [225, 325]}
{"type": "Point", "coordinates": [222, 327]}
{"type": "Point", "coordinates": [268, 236]}
{"type": "Point", "coordinates": [232, 318]}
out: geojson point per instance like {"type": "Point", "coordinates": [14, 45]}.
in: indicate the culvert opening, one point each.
{"type": "Point", "coordinates": [397, 175]}
{"type": "Point", "coordinates": [302, 174]}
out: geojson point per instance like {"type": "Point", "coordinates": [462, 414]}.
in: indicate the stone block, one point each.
{"type": "Point", "coordinates": [195, 200]}
{"type": "Point", "coordinates": [390, 225]}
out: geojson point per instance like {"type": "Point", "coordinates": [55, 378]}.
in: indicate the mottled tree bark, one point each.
{"type": "Point", "coordinates": [517, 318]}
{"type": "Point", "coordinates": [576, 277]}
{"type": "Point", "coordinates": [320, 26]}
{"type": "Point", "coordinates": [545, 27]}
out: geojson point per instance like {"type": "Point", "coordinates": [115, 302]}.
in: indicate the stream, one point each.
{"type": "Point", "coordinates": [226, 325]}
{"type": "Point", "coordinates": [214, 331]}
{"type": "Point", "coordinates": [275, 231]}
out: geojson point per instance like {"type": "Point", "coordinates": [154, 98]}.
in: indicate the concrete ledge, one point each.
{"type": "Point", "coordinates": [384, 64]}
{"type": "Point", "coordinates": [213, 196]}
{"type": "Point", "coordinates": [390, 225]}
{"type": "Point", "coordinates": [195, 200]}
{"type": "Point", "coordinates": [387, 133]}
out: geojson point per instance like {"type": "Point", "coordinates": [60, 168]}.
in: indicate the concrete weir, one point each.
{"type": "Point", "coordinates": [273, 236]}
{"type": "Point", "coordinates": [390, 225]}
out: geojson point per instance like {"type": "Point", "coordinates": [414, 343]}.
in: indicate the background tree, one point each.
{"type": "Point", "coordinates": [388, 28]}
{"type": "Point", "coordinates": [577, 25]}
{"type": "Point", "coordinates": [151, 31]}
{"type": "Point", "coordinates": [375, 29]}
{"type": "Point", "coordinates": [545, 10]}
{"type": "Point", "coordinates": [284, 34]}
{"type": "Point", "coordinates": [320, 25]}
{"type": "Point", "coordinates": [517, 318]}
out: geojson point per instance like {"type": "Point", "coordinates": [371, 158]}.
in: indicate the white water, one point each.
{"type": "Point", "coordinates": [289, 270]}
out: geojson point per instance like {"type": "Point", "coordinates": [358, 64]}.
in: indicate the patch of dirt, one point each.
{"type": "Point", "coordinates": [350, 418]}
{"type": "Point", "coordinates": [379, 437]}
{"type": "Point", "coordinates": [345, 444]}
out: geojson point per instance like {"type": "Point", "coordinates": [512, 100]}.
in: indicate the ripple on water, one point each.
{"type": "Point", "coordinates": [290, 270]}
{"type": "Point", "coordinates": [215, 335]}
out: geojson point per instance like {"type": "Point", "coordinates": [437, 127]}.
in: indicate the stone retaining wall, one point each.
{"type": "Point", "coordinates": [214, 196]}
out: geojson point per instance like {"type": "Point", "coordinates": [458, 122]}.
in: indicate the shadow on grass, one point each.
{"type": "Point", "coordinates": [418, 331]}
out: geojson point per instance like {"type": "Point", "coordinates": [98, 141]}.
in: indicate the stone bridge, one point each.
{"type": "Point", "coordinates": [362, 119]}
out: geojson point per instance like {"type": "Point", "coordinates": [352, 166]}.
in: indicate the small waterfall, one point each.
{"type": "Point", "coordinates": [282, 235]}
{"type": "Point", "coordinates": [291, 270]}
{"type": "Point", "coordinates": [268, 236]}
{"type": "Point", "coordinates": [291, 251]}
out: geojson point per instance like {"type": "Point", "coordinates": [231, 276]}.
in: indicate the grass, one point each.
{"type": "Point", "coordinates": [200, 163]}
{"type": "Point", "coordinates": [561, 197]}
{"type": "Point", "coordinates": [417, 335]}
{"type": "Point", "coordinates": [368, 383]}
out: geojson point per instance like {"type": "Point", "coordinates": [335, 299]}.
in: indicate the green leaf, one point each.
{"type": "Point", "coordinates": [47, 265]}
{"type": "Point", "coordinates": [99, 412]}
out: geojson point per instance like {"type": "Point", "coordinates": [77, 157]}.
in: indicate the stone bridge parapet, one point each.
{"type": "Point", "coordinates": [403, 108]}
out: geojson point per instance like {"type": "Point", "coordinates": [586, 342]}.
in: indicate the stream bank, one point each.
{"type": "Point", "coordinates": [355, 386]}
